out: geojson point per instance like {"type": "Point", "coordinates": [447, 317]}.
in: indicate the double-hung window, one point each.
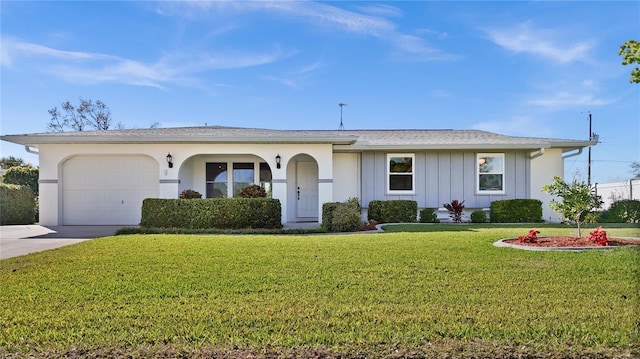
{"type": "Point", "coordinates": [400, 173]}
{"type": "Point", "coordinates": [490, 170]}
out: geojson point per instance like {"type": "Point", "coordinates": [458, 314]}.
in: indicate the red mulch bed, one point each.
{"type": "Point", "coordinates": [567, 241]}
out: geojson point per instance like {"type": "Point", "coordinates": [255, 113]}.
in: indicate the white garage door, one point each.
{"type": "Point", "coordinates": [107, 190]}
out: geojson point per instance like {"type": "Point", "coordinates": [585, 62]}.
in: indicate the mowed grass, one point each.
{"type": "Point", "coordinates": [351, 294]}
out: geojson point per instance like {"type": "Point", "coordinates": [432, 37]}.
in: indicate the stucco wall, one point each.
{"type": "Point", "coordinates": [346, 176]}
{"type": "Point", "coordinates": [543, 169]}
{"type": "Point", "coordinates": [52, 158]}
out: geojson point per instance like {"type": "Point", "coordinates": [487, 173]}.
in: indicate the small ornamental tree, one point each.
{"type": "Point", "coordinates": [577, 201]}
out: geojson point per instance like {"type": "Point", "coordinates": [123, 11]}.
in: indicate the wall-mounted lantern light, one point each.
{"type": "Point", "coordinates": [170, 160]}
{"type": "Point", "coordinates": [278, 159]}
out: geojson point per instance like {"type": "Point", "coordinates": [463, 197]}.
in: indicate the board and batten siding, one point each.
{"type": "Point", "coordinates": [442, 176]}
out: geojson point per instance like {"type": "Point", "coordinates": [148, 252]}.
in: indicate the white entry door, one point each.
{"type": "Point", "coordinates": [307, 191]}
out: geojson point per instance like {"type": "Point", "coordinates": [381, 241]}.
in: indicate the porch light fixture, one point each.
{"type": "Point", "coordinates": [170, 160]}
{"type": "Point", "coordinates": [278, 159]}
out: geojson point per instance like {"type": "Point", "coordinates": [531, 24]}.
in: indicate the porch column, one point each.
{"type": "Point", "coordinates": [325, 194]}
{"type": "Point", "coordinates": [279, 191]}
{"type": "Point", "coordinates": [169, 188]}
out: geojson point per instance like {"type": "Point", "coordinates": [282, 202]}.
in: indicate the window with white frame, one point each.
{"type": "Point", "coordinates": [400, 173]}
{"type": "Point", "coordinates": [490, 170]}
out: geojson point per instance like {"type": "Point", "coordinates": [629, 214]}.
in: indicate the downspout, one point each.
{"type": "Point", "coordinates": [574, 154]}
{"type": "Point", "coordinates": [28, 149]}
{"type": "Point", "coordinates": [537, 154]}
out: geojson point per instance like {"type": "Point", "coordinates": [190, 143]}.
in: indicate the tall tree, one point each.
{"type": "Point", "coordinates": [8, 162]}
{"type": "Point", "coordinates": [85, 116]}
{"type": "Point", "coordinates": [635, 169]}
{"type": "Point", "coordinates": [630, 52]}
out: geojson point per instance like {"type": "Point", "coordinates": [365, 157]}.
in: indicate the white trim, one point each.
{"type": "Point", "coordinates": [500, 172]}
{"type": "Point", "coordinates": [412, 174]}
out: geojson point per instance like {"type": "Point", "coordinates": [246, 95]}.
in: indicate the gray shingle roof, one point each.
{"type": "Point", "coordinates": [342, 139]}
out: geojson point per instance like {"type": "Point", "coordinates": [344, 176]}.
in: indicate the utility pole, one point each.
{"type": "Point", "coordinates": [341, 127]}
{"type": "Point", "coordinates": [589, 155]}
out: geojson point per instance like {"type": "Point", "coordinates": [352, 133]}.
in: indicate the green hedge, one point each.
{"type": "Point", "coordinates": [516, 211]}
{"type": "Point", "coordinates": [230, 213]}
{"type": "Point", "coordinates": [17, 204]}
{"type": "Point", "coordinates": [327, 214]}
{"type": "Point", "coordinates": [478, 216]}
{"type": "Point", "coordinates": [623, 211]}
{"type": "Point", "coordinates": [394, 211]}
{"type": "Point", "coordinates": [428, 215]}
{"type": "Point", "coordinates": [341, 217]}
{"type": "Point", "coordinates": [23, 176]}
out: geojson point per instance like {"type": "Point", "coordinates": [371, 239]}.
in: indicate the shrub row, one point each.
{"type": "Point", "coordinates": [17, 204]}
{"type": "Point", "coordinates": [396, 211]}
{"type": "Point", "coordinates": [229, 213]}
{"type": "Point", "coordinates": [516, 211]}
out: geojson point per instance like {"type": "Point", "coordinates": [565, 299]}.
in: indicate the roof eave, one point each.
{"type": "Point", "coordinates": [79, 139]}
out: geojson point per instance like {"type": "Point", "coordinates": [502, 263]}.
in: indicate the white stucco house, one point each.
{"type": "Point", "coordinates": [101, 177]}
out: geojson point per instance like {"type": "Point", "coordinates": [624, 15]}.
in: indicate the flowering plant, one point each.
{"type": "Point", "coordinates": [532, 237]}
{"type": "Point", "coordinates": [599, 236]}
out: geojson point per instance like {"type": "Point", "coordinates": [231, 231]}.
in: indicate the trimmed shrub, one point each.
{"type": "Point", "coordinates": [327, 214]}
{"type": "Point", "coordinates": [428, 215]}
{"type": "Point", "coordinates": [231, 213]}
{"type": "Point", "coordinates": [516, 211]}
{"type": "Point", "coordinates": [345, 218]}
{"type": "Point", "coordinates": [23, 176]}
{"type": "Point", "coordinates": [624, 211]}
{"type": "Point", "coordinates": [190, 194]}
{"type": "Point", "coordinates": [394, 211]}
{"type": "Point", "coordinates": [253, 191]}
{"type": "Point", "coordinates": [478, 216]}
{"type": "Point", "coordinates": [17, 204]}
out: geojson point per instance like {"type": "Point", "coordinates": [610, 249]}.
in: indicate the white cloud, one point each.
{"type": "Point", "coordinates": [546, 43]}
{"type": "Point", "coordinates": [12, 48]}
{"type": "Point", "coordinates": [416, 49]}
{"type": "Point", "coordinates": [566, 99]}
{"type": "Point", "coordinates": [368, 23]}
{"type": "Point", "coordinates": [84, 67]}
{"type": "Point", "coordinates": [381, 10]}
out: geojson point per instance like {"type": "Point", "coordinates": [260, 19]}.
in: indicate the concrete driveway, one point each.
{"type": "Point", "coordinates": [24, 239]}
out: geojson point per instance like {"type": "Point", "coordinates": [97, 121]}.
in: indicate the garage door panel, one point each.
{"type": "Point", "coordinates": [107, 190]}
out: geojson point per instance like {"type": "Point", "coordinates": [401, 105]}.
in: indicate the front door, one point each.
{"type": "Point", "coordinates": [306, 191]}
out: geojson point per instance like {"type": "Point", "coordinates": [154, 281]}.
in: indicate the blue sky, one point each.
{"type": "Point", "coordinates": [518, 68]}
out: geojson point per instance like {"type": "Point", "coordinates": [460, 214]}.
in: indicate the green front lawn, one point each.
{"type": "Point", "coordinates": [437, 293]}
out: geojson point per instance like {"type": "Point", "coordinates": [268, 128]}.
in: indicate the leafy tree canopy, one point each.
{"type": "Point", "coordinates": [85, 116]}
{"type": "Point", "coordinates": [23, 176]}
{"type": "Point", "coordinates": [8, 162]}
{"type": "Point", "coordinates": [630, 52]}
